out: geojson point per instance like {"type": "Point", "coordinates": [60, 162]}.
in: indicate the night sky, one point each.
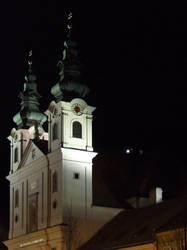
{"type": "Point", "coordinates": [135, 57]}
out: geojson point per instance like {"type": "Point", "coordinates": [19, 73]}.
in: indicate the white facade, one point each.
{"type": "Point", "coordinates": [46, 189]}
{"type": "Point", "coordinates": [27, 185]}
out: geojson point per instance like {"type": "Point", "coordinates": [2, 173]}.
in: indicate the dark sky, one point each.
{"type": "Point", "coordinates": [135, 57]}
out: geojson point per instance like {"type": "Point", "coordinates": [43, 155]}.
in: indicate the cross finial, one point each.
{"type": "Point", "coordinates": [30, 61]}
{"type": "Point", "coordinates": [69, 25]}
{"type": "Point", "coordinates": [70, 15]}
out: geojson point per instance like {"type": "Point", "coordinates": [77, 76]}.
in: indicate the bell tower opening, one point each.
{"type": "Point", "coordinates": [77, 129]}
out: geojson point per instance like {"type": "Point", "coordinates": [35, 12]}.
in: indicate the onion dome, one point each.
{"type": "Point", "coordinates": [69, 85]}
{"type": "Point", "coordinates": [29, 114]}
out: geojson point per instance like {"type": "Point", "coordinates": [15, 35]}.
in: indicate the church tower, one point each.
{"type": "Point", "coordinates": [70, 138]}
{"type": "Point", "coordinates": [29, 120]}
{"type": "Point", "coordinates": [28, 166]}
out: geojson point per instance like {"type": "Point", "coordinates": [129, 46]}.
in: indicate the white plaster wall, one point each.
{"type": "Point", "coordinates": [74, 189]}
{"type": "Point", "coordinates": [24, 205]}
{"type": "Point", "coordinates": [55, 164]}
{"type": "Point", "coordinates": [77, 193]}
{"type": "Point", "coordinates": [89, 120]}
{"type": "Point", "coordinates": [17, 211]}
{"type": "Point", "coordinates": [37, 184]}
{"type": "Point", "coordinates": [29, 179]}
{"type": "Point", "coordinates": [56, 213]}
{"type": "Point", "coordinates": [16, 144]}
{"type": "Point", "coordinates": [44, 211]}
{"type": "Point", "coordinates": [11, 213]}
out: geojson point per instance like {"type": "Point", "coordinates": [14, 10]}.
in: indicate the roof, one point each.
{"type": "Point", "coordinates": [137, 226]}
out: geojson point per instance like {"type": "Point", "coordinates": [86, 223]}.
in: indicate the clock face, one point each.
{"type": "Point", "coordinates": [76, 108]}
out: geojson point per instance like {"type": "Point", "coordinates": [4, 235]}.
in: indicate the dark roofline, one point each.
{"type": "Point", "coordinates": [97, 204]}
{"type": "Point", "coordinates": [130, 245]}
{"type": "Point", "coordinates": [132, 232]}
{"type": "Point", "coordinates": [174, 223]}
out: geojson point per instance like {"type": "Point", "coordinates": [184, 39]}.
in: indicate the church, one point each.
{"type": "Point", "coordinates": [51, 173]}
{"type": "Point", "coordinates": [55, 202]}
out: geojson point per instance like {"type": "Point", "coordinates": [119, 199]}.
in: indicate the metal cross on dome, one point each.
{"type": "Point", "coordinates": [30, 61]}
{"type": "Point", "coordinates": [70, 15]}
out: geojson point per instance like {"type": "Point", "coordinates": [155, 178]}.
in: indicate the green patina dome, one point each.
{"type": "Point", "coordinates": [29, 114]}
{"type": "Point", "coordinates": [31, 78]}
{"type": "Point", "coordinates": [69, 84]}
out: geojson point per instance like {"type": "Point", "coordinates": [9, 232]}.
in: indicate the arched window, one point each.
{"type": "Point", "coordinates": [55, 131]}
{"type": "Point", "coordinates": [16, 198]}
{"type": "Point", "coordinates": [77, 130]}
{"type": "Point", "coordinates": [54, 182]}
{"type": "Point", "coordinates": [16, 155]}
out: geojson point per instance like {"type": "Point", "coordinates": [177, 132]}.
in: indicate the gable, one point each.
{"type": "Point", "coordinates": [31, 154]}
{"type": "Point", "coordinates": [34, 154]}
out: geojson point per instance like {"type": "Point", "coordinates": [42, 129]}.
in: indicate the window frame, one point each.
{"type": "Point", "coordinates": [77, 131]}
{"type": "Point", "coordinates": [54, 131]}
{"type": "Point", "coordinates": [76, 176]}
{"type": "Point", "coordinates": [16, 155]}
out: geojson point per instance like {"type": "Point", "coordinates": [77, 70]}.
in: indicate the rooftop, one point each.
{"type": "Point", "coordinates": [139, 226]}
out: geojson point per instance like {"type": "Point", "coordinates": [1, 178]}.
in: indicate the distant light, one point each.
{"type": "Point", "coordinates": [128, 151]}
{"type": "Point", "coordinates": [141, 151]}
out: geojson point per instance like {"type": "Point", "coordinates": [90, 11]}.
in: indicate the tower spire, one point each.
{"type": "Point", "coordinates": [69, 23]}
{"type": "Point", "coordinates": [30, 61]}
{"type": "Point", "coordinates": [29, 113]}
{"type": "Point", "coordinates": [69, 84]}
